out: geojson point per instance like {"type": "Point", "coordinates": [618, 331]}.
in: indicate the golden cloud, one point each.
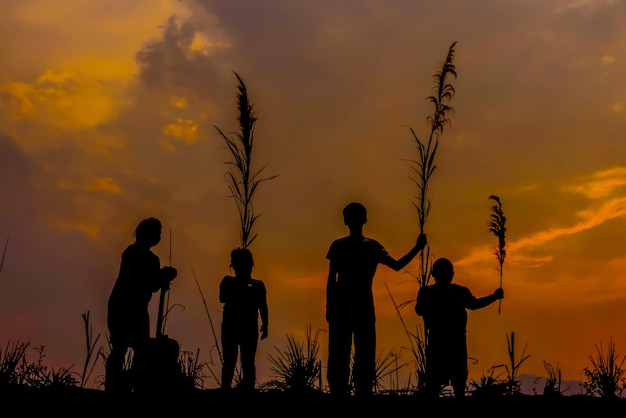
{"type": "Point", "coordinates": [89, 230]}
{"type": "Point", "coordinates": [178, 102]}
{"type": "Point", "coordinates": [183, 129]}
{"type": "Point", "coordinates": [104, 184]}
{"type": "Point", "coordinates": [601, 184]}
{"type": "Point", "coordinates": [60, 99]}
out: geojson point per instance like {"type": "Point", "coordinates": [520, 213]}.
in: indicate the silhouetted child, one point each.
{"type": "Point", "coordinates": [140, 275]}
{"type": "Point", "coordinates": [245, 300]}
{"type": "Point", "coordinates": [443, 307]}
{"type": "Point", "coordinates": [350, 302]}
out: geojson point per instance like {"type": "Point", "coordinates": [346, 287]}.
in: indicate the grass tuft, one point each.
{"type": "Point", "coordinates": [605, 377]}
{"type": "Point", "coordinates": [511, 384]}
{"type": "Point", "coordinates": [296, 369]}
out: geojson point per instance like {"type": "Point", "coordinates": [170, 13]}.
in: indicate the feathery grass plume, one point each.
{"type": "Point", "coordinates": [242, 180]}
{"type": "Point", "coordinates": [425, 166]}
{"type": "Point", "coordinates": [497, 226]}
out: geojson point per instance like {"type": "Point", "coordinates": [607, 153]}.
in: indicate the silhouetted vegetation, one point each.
{"type": "Point", "coordinates": [242, 179]}
{"type": "Point", "coordinates": [552, 380]}
{"type": "Point", "coordinates": [605, 376]}
{"type": "Point", "coordinates": [211, 363]}
{"type": "Point", "coordinates": [388, 366]}
{"type": "Point", "coordinates": [497, 226]}
{"type": "Point", "coordinates": [296, 369]}
{"type": "Point", "coordinates": [92, 354]}
{"type": "Point", "coordinates": [512, 368]}
{"type": "Point", "coordinates": [4, 253]}
{"type": "Point", "coordinates": [424, 167]}
{"type": "Point", "coordinates": [416, 348]}
{"type": "Point", "coordinates": [18, 370]}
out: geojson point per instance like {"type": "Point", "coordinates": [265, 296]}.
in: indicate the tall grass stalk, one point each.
{"type": "Point", "coordinates": [242, 180]}
{"type": "Point", "coordinates": [497, 226]}
{"type": "Point", "coordinates": [417, 343]}
{"type": "Point", "coordinates": [4, 253]}
{"type": "Point", "coordinates": [425, 166]}
{"type": "Point", "coordinates": [513, 366]}
{"type": "Point", "coordinates": [91, 358]}
{"type": "Point", "coordinates": [217, 345]}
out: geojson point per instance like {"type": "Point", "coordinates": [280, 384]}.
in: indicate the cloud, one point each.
{"type": "Point", "coordinates": [598, 186]}
{"type": "Point", "coordinates": [601, 184]}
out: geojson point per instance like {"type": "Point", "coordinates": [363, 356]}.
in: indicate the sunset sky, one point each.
{"type": "Point", "coordinates": [108, 115]}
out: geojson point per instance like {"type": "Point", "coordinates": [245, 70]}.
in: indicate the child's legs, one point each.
{"type": "Point", "coordinates": [114, 369]}
{"type": "Point", "coordinates": [339, 349]}
{"type": "Point", "coordinates": [364, 357]}
{"type": "Point", "coordinates": [248, 349]}
{"type": "Point", "coordinates": [458, 371]}
{"type": "Point", "coordinates": [229, 352]}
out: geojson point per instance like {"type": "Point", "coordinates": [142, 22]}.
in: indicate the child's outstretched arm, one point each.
{"type": "Point", "coordinates": [402, 262]}
{"type": "Point", "coordinates": [479, 303]}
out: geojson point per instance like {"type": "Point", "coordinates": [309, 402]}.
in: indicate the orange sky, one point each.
{"type": "Point", "coordinates": [108, 113]}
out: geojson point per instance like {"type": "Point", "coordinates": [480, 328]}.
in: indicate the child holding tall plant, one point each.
{"type": "Point", "coordinates": [353, 260]}
{"type": "Point", "coordinates": [443, 306]}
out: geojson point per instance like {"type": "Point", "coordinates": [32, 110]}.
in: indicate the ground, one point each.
{"type": "Point", "coordinates": [88, 402]}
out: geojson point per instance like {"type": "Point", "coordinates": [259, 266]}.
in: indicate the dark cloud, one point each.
{"type": "Point", "coordinates": [169, 65]}
{"type": "Point", "coordinates": [17, 174]}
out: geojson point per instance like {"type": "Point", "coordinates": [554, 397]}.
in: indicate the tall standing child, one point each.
{"type": "Point", "coordinates": [353, 260]}
{"type": "Point", "coordinates": [245, 302]}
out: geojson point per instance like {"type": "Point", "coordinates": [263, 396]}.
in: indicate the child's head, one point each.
{"type": "Point", "coordinates": [442, 270]}
{"type": "Point", "coordinates": [354, 214]}
{"type": "Point", "coordinates": [241, 261]}
{"type": "Point", "coordinates": [148, 232]}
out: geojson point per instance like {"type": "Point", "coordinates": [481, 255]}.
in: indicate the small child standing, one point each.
{"type": "Point", "coordinates": [443, 306]}
{"type": "Point", "coordinates": [245, 300]}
